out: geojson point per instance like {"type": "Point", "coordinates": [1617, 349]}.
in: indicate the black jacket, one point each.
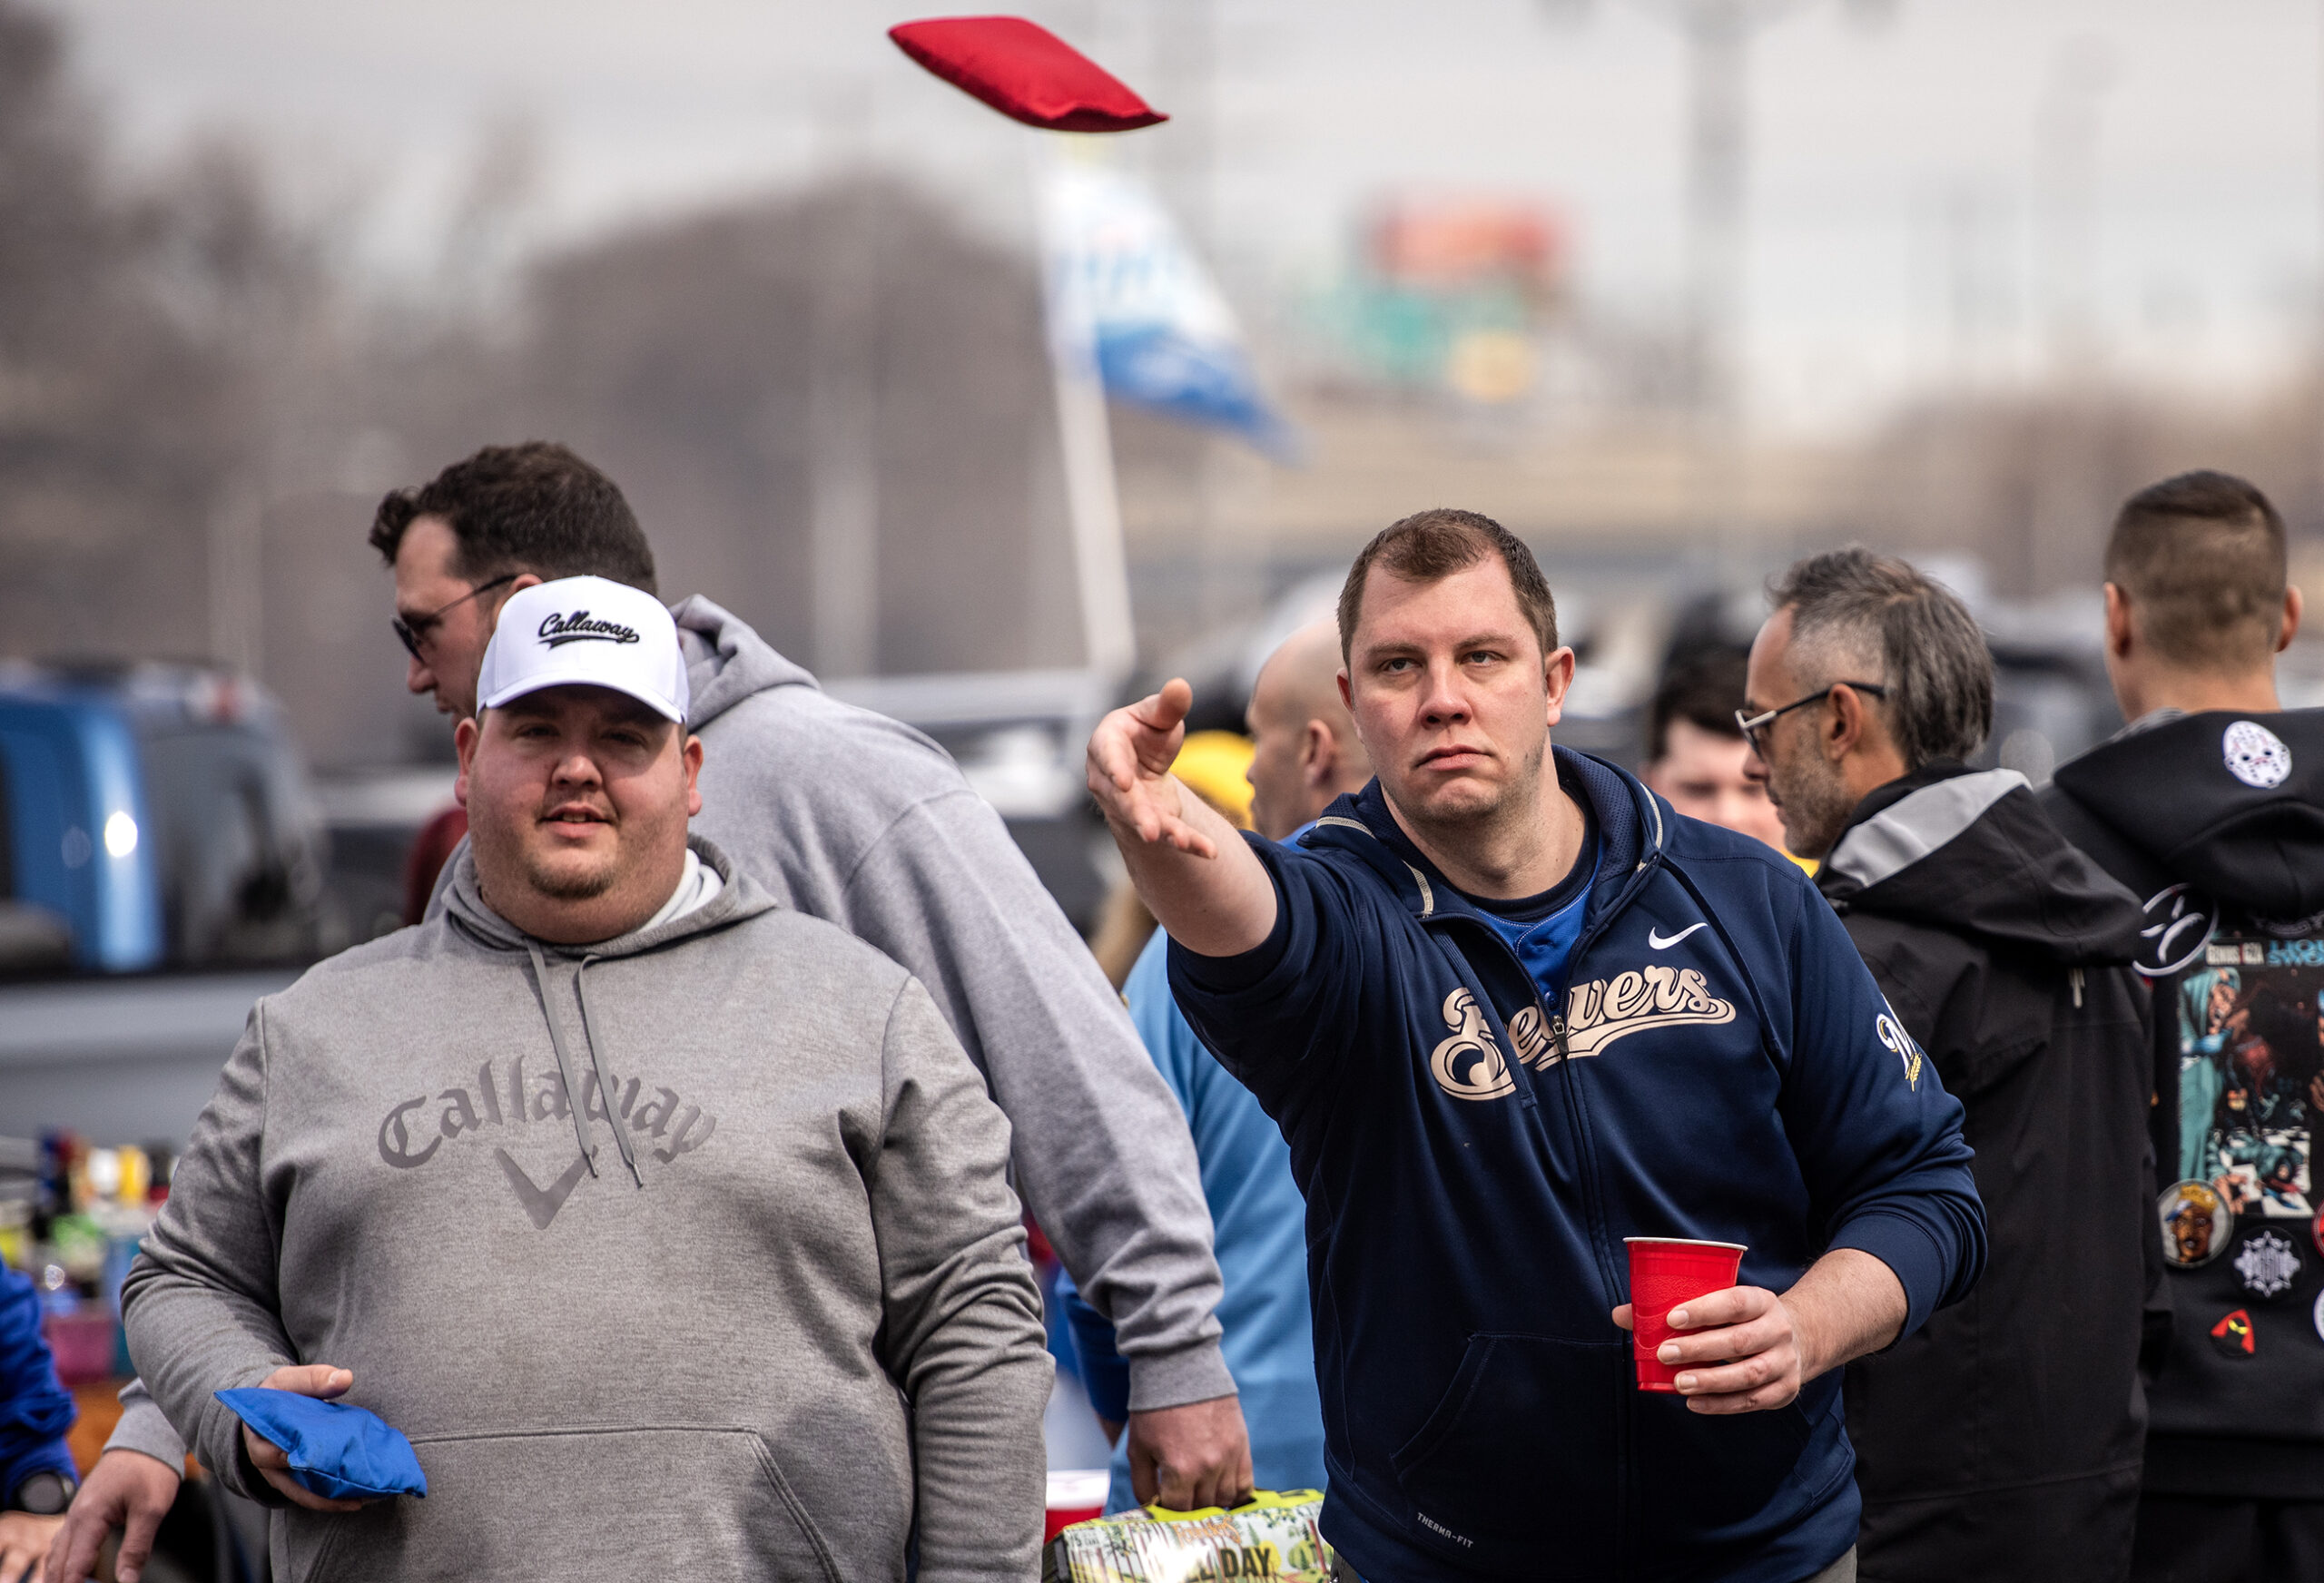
{"type": "Point", "coordinates": [2217, 820]}
{"type": "Point", "coordinates": [2004, 1440]}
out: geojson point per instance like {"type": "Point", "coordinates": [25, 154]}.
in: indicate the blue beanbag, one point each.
{"type": "Point", "coordinates": [339, 1452]}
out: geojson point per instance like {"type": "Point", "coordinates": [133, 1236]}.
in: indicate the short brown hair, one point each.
{"type": "Point", "coordinates": [2201, 557]}
{"type": "Point", "coordinates": [1430, 545]}
{"type": "Point", "coordinates": [533, 507]}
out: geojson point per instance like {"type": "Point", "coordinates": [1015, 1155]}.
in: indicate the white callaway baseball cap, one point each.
{"type": "Point", "coordinates": [586, 632]}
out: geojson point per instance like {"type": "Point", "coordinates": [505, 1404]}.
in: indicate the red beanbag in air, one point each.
{"type": "Point", "coordinates": [1025, 71]}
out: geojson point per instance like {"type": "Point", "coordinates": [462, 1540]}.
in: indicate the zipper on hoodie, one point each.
{"type": "Point", "coordinates": [1585, 1156]}
{"type": "Point", "coordinates": [1628, 1530]}
{"type": "Point", "coordinates": [1553, 1022]}
{"type": "Point", "coordinates": [1585, 1151]}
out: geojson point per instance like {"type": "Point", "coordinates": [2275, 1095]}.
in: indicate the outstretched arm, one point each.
{"type": "Point", "coordinates": [1189, 865]}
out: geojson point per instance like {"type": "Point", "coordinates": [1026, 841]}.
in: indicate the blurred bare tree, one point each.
{"type": "Point", "coordinates": [684, 358]}
{"type": "Point", "coordinates": [199, 409]}
{"type": "Point", "coordinates": [143, 336]}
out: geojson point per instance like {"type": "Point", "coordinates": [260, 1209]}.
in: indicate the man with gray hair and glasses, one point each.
{"type": "Point", "coordinates": [2004, 1440]}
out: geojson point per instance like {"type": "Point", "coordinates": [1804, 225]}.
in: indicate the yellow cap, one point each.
{"type": "Point", "coordinates": [1211, 765]}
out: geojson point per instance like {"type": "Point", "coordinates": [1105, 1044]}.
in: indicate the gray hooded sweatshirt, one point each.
{"type": "Point", "coordinates": [858, 819]}
{"type": "Point", "coordinates": [854, 817]}
{"type": "Point", "coordinates": [686, 1254]}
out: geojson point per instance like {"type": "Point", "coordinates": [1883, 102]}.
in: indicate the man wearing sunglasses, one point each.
{"type": "Point", "coordinates": [2003, 1441]}
{"type": "Point", "coordinates": [430, 852]}
{"type": "Point", "coordinates": [418, 633]}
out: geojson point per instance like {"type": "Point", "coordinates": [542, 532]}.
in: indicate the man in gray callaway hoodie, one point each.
{"type": "Point", "coordinates": [669, 1224]}
{"type": "Point", "coordinates": [851, 817]}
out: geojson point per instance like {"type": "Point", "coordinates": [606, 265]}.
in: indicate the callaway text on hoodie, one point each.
{"type": "Point", "coordinates": [691, 1248]}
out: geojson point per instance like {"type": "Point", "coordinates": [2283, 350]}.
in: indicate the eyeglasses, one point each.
{"type": "Point", "coordinates": [1751, 725]}
{"type": "Point", "coordinates": [413, 632]}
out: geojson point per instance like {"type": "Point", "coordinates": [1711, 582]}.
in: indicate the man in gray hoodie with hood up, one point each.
{"type": "Point", "coordinates": [669, 1224]}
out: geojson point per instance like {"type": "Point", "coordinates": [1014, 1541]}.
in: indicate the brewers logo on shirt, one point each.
{"type": "Point", "coordinates": [1470, 1064]}
{"type": "Point", "coordinates": [1891, 1029]}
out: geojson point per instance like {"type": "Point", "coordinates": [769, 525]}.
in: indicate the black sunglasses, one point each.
{"type": "Point", "coordinates": [1751, 725]}
{"type": "Point", "coordinates": [413, 632]}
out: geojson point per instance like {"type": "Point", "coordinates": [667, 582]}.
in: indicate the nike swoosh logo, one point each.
{"type": "Point", "coordinates": [1659, 944]}
{"type": "Point", "coordinates": [541, 1206]}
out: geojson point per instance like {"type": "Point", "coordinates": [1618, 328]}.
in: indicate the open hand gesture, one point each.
{"type": "Point", "coordinates": [1130, 755]}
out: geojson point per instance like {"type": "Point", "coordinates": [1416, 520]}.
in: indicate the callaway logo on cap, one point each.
{"type": "Point", "coordinates": [586, 632]}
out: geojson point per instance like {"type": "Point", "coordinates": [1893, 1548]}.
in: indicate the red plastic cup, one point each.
{"type": "Point", "coordinates": [1074, 1496]}
{"type": "Point", "coordinates": [1665, 1273]}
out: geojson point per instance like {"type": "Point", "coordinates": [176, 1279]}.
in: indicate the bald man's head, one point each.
{"type": "Point", "coordinates": [1307, 751]}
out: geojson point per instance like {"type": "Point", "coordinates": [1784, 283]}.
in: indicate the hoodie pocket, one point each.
{"type": "Point", "coordinates": [1519, 1466]}
{"type": "Point", "coordinates": [669, 1502]}
{"type": "Point", "coordinates": [1708, 1477]}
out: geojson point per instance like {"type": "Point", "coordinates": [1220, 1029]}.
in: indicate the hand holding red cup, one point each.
{"type": "Point", "coordinates": [1665, 1273]}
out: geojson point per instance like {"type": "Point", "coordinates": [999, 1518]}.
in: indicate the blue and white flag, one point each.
{"type": "Point", "coordinates": [1127, 290]}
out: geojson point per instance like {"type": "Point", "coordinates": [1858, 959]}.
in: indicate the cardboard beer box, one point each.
{"type": "Point", "coordinates": [1269, 1538]}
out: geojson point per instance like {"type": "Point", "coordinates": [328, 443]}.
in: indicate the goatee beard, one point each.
{"type": "Point", "coordinates": [568, 886]}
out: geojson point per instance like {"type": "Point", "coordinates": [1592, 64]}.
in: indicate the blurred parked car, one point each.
{"type": "Point", "coordinates": [157, 816]}
{"type": "Point", "coordinates": [163, 867]}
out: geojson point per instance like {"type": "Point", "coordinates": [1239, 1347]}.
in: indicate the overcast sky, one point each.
{"type": "Point", "coordinates": [1865, 139]}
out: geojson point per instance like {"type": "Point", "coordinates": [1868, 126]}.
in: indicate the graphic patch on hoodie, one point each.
{"type": "Point", "coordinates": [2252, 1072]}
{"type": "Point", "coordinates": [2234, 1336]}
{"type": "Point", "coordinates": [2179, 924]}
{"type": "Point", "coordinates": [2255, 755]}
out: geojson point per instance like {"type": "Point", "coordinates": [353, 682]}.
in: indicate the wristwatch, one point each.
{"type": "Point", "coordinates": [44, 1494]}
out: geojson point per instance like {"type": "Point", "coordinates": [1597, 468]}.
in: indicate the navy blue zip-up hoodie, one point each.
{"type": "Point", "coordinates": [1723, 1067]}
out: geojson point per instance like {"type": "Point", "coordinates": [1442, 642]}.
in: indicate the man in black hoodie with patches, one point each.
{"type": "Point", "coordinates": [2210, 805]}
{"type": "Point", "coordinates": [2003, 1440]}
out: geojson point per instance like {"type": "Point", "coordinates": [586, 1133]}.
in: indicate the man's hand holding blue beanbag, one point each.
{"type": "Point", "coordinates": [322, 1457]}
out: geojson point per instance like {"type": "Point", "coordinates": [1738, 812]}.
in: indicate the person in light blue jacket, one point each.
{"type": "Point", "coordinates": [1306, 754]}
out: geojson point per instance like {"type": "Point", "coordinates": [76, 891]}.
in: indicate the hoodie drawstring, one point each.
{"type": "Point", "coordinates": [576, 1100]}
{"type": "Point", "coordinates": [597, 1064]}
{"type": "Point", "coordinates": [2073, 977]}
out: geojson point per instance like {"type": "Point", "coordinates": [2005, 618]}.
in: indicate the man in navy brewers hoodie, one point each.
{"type": "Point", "coordinates": [1507, 1010]}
